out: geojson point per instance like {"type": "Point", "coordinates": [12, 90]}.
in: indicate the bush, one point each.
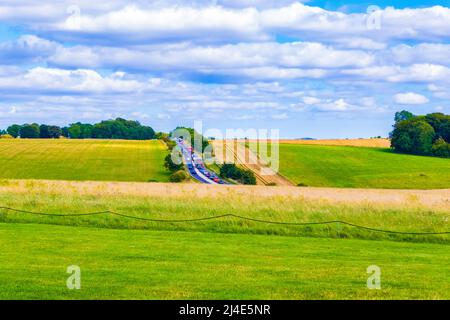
{"type": "Point", "coordinates": [441, 148]}
{"type": "Point", "coordinates": [170, 165]}
{"type": "Point", "coordinates": [243, 176]}
{"type": "Point", "coordinates": [248, 177]}
{"type": "Point", "coordinates": [178, 176]}
{"type": "Point", "coordinates": [6, 136]}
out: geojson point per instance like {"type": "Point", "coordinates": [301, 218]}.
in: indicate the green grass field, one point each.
{"type": "Point", "coordinates": [104, 160]}
{"type": "Point", "coordinates": [361, 167]}
{"type": "Point", "coordinates": [219, 259]}
{"type": "Point", "coordinates": [214, 259]}
{"type": "Point", "coordinates": [119, 264]}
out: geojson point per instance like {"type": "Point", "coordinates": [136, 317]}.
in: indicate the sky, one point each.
{"type": "Point", "coordinates": [320, 69]}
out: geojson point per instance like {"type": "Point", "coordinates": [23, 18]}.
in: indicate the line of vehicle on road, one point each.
{"type": "Point", "coordinates": [196, 167]}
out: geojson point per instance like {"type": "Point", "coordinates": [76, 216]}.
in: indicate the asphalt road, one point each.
{"type": "Point", "coordinates": [192, 164]}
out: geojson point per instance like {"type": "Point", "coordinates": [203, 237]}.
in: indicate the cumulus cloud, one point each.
{"type": "Point", "coordinates": [230, 56]}
{"type": "Point", "coordinates": [421, 72]}
{"type": "Point", "coordinates": [27, 48]}
{"type": "Point", "coordinates": [250, 59]}
{"type": "Point", "coordinates": [410, 98]}
{"type": "Point", "coordinates": [438, 53]}
{"type": "Point", "coordinates": [223, 21]}
{"type": "Point", "coordinates": [65, 81]}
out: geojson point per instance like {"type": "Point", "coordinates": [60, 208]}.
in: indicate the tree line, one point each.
{"type": "Point", "coordinates": [107, 129]}
{"type": "Point", "coordinates": [422, 135]}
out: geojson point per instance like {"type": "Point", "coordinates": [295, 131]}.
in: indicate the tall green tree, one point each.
{"type": "Point", "coordinates": [414, 136]}
{"type": "Point", "coordinates": [54, 132]}
{"type": "Point", "coordinates": [29, 131]}
{"type": "Point", "coordinates": [403, 115]}
{"type": "Point", "coordinates": [14, 130]}
{"type": "Point", "coordinates": [43, 131]}
{"type": "Point", "coordinates": [441, 125]}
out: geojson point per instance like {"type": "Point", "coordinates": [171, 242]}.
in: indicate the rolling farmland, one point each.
{"type": "Point", "coordinates": [138, 256]}
{"type": "Point", "coordinates": [102, 160]}
{"type": "Point", "coordinates": [361, 167]}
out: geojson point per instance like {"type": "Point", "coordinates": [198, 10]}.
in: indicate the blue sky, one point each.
{"type": "Point", "coordinates": [320, 69]}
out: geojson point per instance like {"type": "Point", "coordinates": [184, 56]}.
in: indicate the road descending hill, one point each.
{"type": "Point", "coordinates": [63, 159]}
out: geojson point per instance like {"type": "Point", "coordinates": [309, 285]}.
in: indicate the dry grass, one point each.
{"type": "Point", "coordinates": [396, 210]}
{"type": "Point", "coordinates": [422, 199]}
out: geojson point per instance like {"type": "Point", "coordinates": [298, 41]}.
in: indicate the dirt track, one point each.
{"type": "Point", "coordinates": [231, 151]}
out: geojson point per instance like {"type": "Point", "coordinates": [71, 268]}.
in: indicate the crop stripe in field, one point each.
{"type": "Point", "coordinates": [228, 215]}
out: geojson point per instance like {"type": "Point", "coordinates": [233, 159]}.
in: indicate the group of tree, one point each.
{"type": "Point", "coordinates": [421, 135]}
{"type": "Point", "coordinates": [109, 129]}
{"type": "Point", "coordinates": [231, 171]}
{"type": "Point", "coordinates": [193, 137]}
{"type": "Point", "coordinates": [34, 131]}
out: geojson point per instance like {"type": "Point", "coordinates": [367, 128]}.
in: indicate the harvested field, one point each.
{"type": "Point", "coordinates": [238, 153]}
{"type": "Point", "coordinates": [374, 143]}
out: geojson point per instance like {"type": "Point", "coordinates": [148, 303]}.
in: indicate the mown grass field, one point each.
{"type": "Point", "coordinates": [119, 264]}
{"type": "Point", "coordinates": [103, 160]}
{"type": "Point", "coordinates": [361, 167]}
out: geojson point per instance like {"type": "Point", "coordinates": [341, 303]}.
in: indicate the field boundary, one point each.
{"type": "Point", "coordinates": [228, 215]}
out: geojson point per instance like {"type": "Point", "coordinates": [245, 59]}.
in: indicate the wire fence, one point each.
{"type": "Point", "coordinates": [223, 216]}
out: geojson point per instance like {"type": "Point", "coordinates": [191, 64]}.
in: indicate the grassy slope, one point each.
{"type": "Point", "coordinates": [358, 167]}
{"type": "Point", "coordinates": [104, 160]}
{"type": "Point", "coordinates": [177, 265]}
{"type": "Point", "coordinates": [165, 202]}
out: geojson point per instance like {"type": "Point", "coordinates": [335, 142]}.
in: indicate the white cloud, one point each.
{"type": "Point", "coordinates": [311, 100]}
{"type": "Point", "coordinates": [172, 59]}
{"type": "Point", "coordinates": [163, 116]}
{"type": "Point", "coordinates": [437, 53]}
{"type": "Point", "coordinates": [57, 80]}
{"type": "Point", "coordinates": [209, 58]}
{"type": "Point", "coordinates": [28, 48]}
{"type": "Point", "coordinates": [280, 116]}
{"type": "Point", "coordinates": [143, 21]}
{"type": "Point", "coordinates": [410, 98]}
{"type": "Point", "coordinates": [414, 73]}
{"type": "Point", "coordinates": [339, 105]}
